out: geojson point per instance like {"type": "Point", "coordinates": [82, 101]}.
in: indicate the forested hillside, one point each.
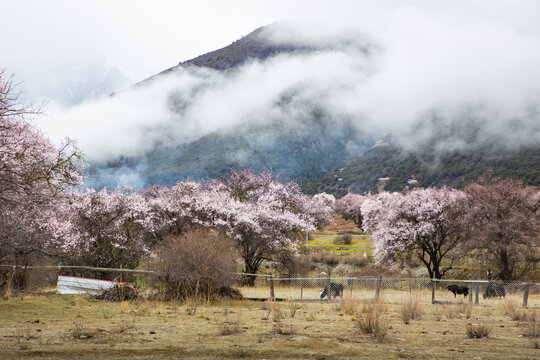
{"type": "Point", "coordinates": [456, 168]}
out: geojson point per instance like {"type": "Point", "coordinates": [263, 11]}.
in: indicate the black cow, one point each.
{"type": "Point", "coordinates": [332, 290]}
{"type": "Point", "coordinates": [458, 289]}
{"type": "Point", "coordinates": [494, 290]}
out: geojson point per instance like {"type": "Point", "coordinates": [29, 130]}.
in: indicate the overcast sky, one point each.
{"type": "Point", "coordinates": [44, 40]}
{"type": "Point", "coordinates": [56, 37]}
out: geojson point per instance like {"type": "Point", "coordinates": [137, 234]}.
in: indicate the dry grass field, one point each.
{"type": "Point", "coordinates": [50, 326]}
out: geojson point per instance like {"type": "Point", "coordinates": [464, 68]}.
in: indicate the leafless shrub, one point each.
{"type": "Point", "coordinates": [478, 331]}
{"type": "Point", "coordinates": [277, 313]}
{"type": "Point", "coordinates": [297, 264]}
{"type": "Point", "coordinates": [281, 327]}
{"type": "Point", "coordinates": [411, 309]}
{"type": "Point", "coordinates": [325, 258]}
{"type": "Point", "coordinates": [196, 264]}
{"type": "Point", "coordinates": [345, 239]}
{"type": "Point", "coordinates": [356, 260]}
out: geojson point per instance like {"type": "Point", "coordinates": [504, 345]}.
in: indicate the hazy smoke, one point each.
{"type": "Point", "coordinates": [464, 76]}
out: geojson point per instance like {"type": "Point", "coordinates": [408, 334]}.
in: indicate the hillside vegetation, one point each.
{"type": "Point", "coordinates": [456, 169]}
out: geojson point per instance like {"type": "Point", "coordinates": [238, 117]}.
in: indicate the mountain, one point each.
{"type": "Point", "coordinates": [302, 109]}
{"type": "Point", "coordinates": [255, 45]}
{"type": "Point", "coordinates": [388, 167]}
{"type": "Point", "coordinates": [292, 135]}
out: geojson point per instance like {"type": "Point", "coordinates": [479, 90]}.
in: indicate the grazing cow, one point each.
{"type": "Point", "coordinates": [494, 290]}
{"type": "Point", "coordinates": [458, 289]}
{"type": "Point", "coordinates": [332, 290]}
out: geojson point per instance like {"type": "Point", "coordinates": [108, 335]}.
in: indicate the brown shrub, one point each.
{"type": "Point", "coordinates": [325, 258]}
{"type": "Point", "coordinates": [199, 263]}
{"type": "Point", "coordinates": [345, 239]}
{"type": "Point", "coordinates": [356, 260]}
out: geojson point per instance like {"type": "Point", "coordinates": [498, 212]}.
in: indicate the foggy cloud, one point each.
{"type": "Point", "coordinates": [466, 76]}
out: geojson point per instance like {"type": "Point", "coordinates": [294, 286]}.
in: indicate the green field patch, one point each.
{"type": "Point", "coordinates": [325, 243]}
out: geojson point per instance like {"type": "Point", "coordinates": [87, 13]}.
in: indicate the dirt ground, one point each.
{"type": "Point", "coordinates": [50, 326]}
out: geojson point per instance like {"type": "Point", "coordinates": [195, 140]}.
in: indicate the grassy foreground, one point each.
{"type": "Point", "coordinates": [50, 326]}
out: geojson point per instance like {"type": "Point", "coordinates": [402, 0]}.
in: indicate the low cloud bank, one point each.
{"type": "Point", "coordinates": [414, 73]}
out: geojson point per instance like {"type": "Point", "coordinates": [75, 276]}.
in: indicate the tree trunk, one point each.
{"type": "Point", "coordinates": [506, 269]}
{"type": "Point", "coordinates": [250, 267]}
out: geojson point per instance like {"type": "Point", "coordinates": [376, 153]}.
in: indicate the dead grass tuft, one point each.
{"type": "Point", "coordinates": [458, 311]}
{"type": "Point", "coordinates": [533, 328]}
{"type": "Point", "coordinates": [478, 331]}
{"type": "Point", "coordinates": [376, 305]}
{"type": "Point", "coordinates": [283, 328]}
{"type": "Point", "coordinates": [512, 308]}
{"type": "Point", "coordinates": [229, 327]}
{"type": "Point", "coordinates": [293, 307]}
{"type": "Point", "coordinates": [411, 309]}
{"type": "Point", "coordinates": [349, 305]}
{"type": "Point", "coordinates": [373, 323]}
{"type": "Point", "coordinates": [81, 331]}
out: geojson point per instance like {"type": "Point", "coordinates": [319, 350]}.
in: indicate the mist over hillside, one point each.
{"type": "Point", "coordinates": [304, 98]}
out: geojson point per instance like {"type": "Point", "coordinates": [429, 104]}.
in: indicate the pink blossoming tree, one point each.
{"type": "Point", "coordinates": [502, 219]}
{"type": "Point", "coordinates": [276, 215]}
{"type": "Point", "coordinates": [350, 208]}
{"type": "Point", "coordinates": [34, 175]}
{"type": "Point", "coordinates": [109, 228]}
{"type": "Point", "coordinates": [422, 222]}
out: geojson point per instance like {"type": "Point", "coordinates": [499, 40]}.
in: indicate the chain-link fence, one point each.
{"type": "Point", "coordinates": [400, 289]}
{"type": "Point", "coordinates": [311, 289]}
{"type": "Point", "coordinates": [485, 291]}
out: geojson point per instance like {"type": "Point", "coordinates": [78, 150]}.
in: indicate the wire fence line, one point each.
{"type": "Point", "coordinates": [81, 267]}
{"type": "Point", "coordinates": [309, 289]}
{"type": "Point", "coordinates": [433, 291]}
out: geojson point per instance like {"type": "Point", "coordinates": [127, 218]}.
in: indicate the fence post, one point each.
{"type": "Point", "coordinates": [271, 279]}
{"type": "Point", "coordinates": [526, 293]}
{"type": "Point", "coordinates": [433, 286]}
{"type": "Point", "coordinates": [378, 290]}
{"type": "Point", "coordinates": [477, 287]}
{"type": "Point", "coordinates": [301, 289]}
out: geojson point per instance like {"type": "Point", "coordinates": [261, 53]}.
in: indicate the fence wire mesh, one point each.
{"type": "Point", "coordinates": [310, 289]}
{"type": "Point", "coordinates": [399, 289]}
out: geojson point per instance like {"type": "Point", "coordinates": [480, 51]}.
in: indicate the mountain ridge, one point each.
{"type": "Point", "coordinates": [312, 146]}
